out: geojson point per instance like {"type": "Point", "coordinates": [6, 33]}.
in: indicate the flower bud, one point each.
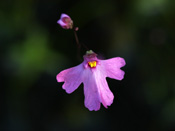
{"type": "Point", "coordinates": [65, 21]}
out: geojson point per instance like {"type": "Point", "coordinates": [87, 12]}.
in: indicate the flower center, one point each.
{"type": "Point", "coordinates": [92, 64]}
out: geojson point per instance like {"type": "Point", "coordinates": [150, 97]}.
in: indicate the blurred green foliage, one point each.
{"type": "Point", "coordinates": [33, 49]}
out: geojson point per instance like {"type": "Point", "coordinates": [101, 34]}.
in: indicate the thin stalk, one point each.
{"type": "Point", "coordinates": [77, 40]}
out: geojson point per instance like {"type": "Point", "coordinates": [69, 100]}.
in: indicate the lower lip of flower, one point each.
{"type": "Point", "coordinates": [92, 64]}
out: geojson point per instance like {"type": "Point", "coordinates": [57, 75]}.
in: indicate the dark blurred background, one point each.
{"type": "Point", "coordinates": [34, 49]}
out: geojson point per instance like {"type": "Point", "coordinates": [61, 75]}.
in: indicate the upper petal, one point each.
{"type": "Point", "coordinates": [64, 15]}
{"type": "Point", "coordinates": [112, 67]}
{"type": "Point", "coordinates": [71, 77]}
{"type": "Point", "coordinates": [61, 23]}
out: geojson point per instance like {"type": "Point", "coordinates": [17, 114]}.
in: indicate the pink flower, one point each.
{"type": "Point", "coordinates": [65, 21]}
{"type": "Point", "coordinates": [92, 73]}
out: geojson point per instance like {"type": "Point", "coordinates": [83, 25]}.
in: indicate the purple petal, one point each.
{"type": "Point", "coordinates": [92, 100]}
{"type": "Point", "coordinates": [61, 23]}
{"type": "Point", "coordinates": [71, 78]}
{"type": "Point", "coordinates": [64, 15]}
{"type": "Point", "coordinates": [112, 67]}
{"type": "Point", "coordinates": [105, 94]}
{"type": "Point", "coordinates": [96, 90]}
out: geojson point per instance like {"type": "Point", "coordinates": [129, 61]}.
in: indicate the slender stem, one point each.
{"type": "Point", "coordinates": [77, 40]}
{"type": "Point", "coordinates": [78, 44]}
{"type": "Point", "coordinates": [85, 47]}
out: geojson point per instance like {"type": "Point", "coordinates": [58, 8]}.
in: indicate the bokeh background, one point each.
{"type": "Point", "coordinates": [34, 49]}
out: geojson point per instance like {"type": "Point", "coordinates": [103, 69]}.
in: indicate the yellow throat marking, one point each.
{"type": "Point", "coordinates": [92, 64]}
